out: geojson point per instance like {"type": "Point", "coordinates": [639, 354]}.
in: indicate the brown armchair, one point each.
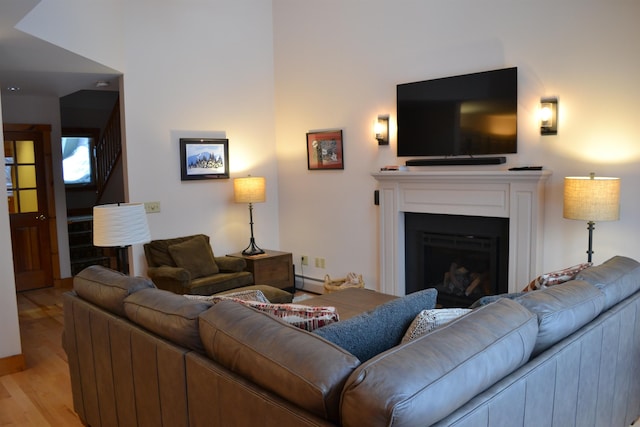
{"type": "Point", "coordinates": [187, 265]}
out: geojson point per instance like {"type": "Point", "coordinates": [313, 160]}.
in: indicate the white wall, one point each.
{"type": "Point", "coordinates": [10, 332]}
{"type": "Point", "coordinates": [207, 69]}
{"type": "Point", "coordinates": [337, 65]}
{"type": "Point", "coordinates": [191, 69]}
{"type": "Point", "coordinates": [210, 75]}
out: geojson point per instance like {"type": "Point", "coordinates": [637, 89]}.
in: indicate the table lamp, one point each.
{"type": "Point", "coordinates": [250, 190]}
{"type": "Point", "coordinates": [120, 225]}
{"type": "Point", "coordinates": [591, 198]}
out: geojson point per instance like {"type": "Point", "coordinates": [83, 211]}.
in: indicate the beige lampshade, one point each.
{"type": "Point", "coordinates": [249, 190]}
{"type": "Point", "coordinates": [121, 224]}
{"type": "Point", "coordinates": [591, 198]}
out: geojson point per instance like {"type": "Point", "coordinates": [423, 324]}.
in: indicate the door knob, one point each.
{"type": "Point", "coordinates": [41, 217]}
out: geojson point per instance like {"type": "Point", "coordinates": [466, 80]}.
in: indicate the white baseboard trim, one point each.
{"type": "Point", "coordinates": [309, 284]}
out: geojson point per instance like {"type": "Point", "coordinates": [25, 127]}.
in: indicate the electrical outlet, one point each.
{"type": "Point", "coordinates": [152, 207]}
{"type": "Point", "coordinates": [304, 260]}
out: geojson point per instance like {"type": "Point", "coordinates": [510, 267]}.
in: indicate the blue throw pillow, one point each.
{"type": "Point", "coordinates": [379, 329]}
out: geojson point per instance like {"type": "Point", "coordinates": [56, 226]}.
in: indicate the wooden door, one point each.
{"type": "Point", "coordinates": [28, 200]}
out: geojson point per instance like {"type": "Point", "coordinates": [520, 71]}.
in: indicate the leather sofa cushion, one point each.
{"type": "Point", "coordinates": [294, 364]}
{"type": "Point", "coordinates": [168, 315]}
{"type": "Point", "coordinates": [107, 288]}
{"type": "Point", "coordinates": [562, 310]}
{"type": "Point", "coordinates": [381, 328]}
{"type": "Point", "coordinates": [617, 278]}
{"type": "Point", "coordinates": [420, 382]}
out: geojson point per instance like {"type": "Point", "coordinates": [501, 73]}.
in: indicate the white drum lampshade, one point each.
{"type": "Point", "coordinates": [120, 225]}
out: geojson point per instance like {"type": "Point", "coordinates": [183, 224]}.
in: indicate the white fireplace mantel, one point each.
{"type": "Point", "coordinates": [517, 195]}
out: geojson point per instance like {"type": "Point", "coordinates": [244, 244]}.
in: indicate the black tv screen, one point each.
{"type": "Point", "coordinates": [471, 114]}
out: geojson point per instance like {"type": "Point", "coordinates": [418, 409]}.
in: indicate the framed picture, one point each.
{"type": "Point", "coordinates": [324, 150]}
{"type": "Point", "coordinates": [202, 158]}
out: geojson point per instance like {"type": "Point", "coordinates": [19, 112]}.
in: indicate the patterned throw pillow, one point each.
{"type": "Point", "coordinates": [556, 277]}
{"type": "Point", "coordinates": [302, 316]}
{"type": "Point", "coordinates": [427, 320]}
{"type": "Point", "coordinates": [248, 295]}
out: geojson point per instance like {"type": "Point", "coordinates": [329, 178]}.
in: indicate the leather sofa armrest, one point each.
{"type": "Point", "coordinates": [230, 264]}
{"type": "Point", "coordinates": [174, 279]}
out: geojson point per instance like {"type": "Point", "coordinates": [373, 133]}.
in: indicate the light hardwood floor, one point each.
{"type": "Point", "coordinates": [41, 394]}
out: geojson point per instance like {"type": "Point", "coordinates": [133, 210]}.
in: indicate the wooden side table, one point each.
{"type": "Point", "coordinates": [273, 268]}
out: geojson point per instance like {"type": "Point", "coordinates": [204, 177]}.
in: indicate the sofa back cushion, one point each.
{"type": "Point", "coordinates": [617, 278]}
{"type": "Point", "coordinates": [562, 310]}
{"type": "Point", "coordinates": [107, 288]}
{"type": "Point", "coordinates": [420, 382]}
{"type": "Point", "coordinates": [168, 315]}
{"type": "Point", "coordinates": [283, 359]}
{"type": "Point", "coordinates": [381, 328]}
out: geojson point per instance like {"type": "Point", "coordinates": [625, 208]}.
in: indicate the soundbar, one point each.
{"type": "Point", "coordinates": [457, 161]}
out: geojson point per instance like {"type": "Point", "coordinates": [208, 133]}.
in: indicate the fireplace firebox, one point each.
{"type": "Point", "coordinates": [463, 257]}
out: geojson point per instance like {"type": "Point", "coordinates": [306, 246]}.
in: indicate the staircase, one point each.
{"type": "Point", "coordinates": [108, 152]}
{"type": "Point", "coordinates": [81, 250]}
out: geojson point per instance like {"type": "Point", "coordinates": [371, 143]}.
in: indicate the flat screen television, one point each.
{"type": "Point", "coordinates": [466, 115]}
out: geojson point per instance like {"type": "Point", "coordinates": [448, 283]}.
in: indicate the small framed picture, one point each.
{"type": "Point", "coordinates": [324, 150]}
{"type": "Point", "coordinates": [202, 158]}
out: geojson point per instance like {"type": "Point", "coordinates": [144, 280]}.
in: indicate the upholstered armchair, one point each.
{"type": "Point", "coordinates": [187, 265]}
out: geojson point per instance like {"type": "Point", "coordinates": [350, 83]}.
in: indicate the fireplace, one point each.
{"type": "Point", "coordinates": [516, 197]}
{"type": "Point", "coordinates": [463, 257]}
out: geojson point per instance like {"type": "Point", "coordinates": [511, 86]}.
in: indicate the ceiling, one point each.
{"type": "Point", "coordinates": [40, 68]}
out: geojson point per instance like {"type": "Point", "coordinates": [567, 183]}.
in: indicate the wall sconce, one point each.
{"type": "Point", "coordinates": [382, 130]}
{"type": "Point", "coordinates": [549, 116]}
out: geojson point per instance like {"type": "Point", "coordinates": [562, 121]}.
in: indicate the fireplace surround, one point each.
{"type": "Point", "coordinates": [515, 195]}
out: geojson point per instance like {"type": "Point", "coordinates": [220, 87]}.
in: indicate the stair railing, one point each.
{"type": "Point", "coordinates": [108, 151]}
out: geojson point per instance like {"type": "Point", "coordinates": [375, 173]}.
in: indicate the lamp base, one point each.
{"type": "Point", "coordinates": [590, 227]}
{"type": "Point", "coordinates": [122, 259]}
{"type": "Point", "coordinates": [252, 249]}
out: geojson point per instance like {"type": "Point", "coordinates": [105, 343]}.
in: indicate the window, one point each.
{"type": "Point", "coordinates": [78, 159]}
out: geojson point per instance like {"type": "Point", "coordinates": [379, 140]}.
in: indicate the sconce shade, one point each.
{"type": "Point", "coordinates": [549, 116]}
{"type": "Point", "coordinates": [119, 225]}
{"type": "Point", "coordinates": [382, 130]}
{"type": "Point", "coordinates": [249, 190]}
{"type": "Point", "coordinates": [591, 198]}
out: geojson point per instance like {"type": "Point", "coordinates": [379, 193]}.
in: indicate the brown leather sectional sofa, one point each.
{"type": "Point", "coordinates": [562, 356]}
